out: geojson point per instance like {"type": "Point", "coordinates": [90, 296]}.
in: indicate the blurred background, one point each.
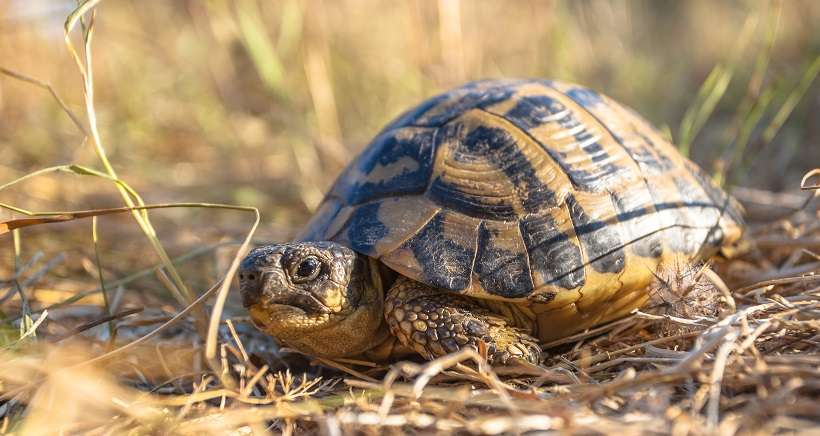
{"type": "Point", "coordinates": [263, 102]}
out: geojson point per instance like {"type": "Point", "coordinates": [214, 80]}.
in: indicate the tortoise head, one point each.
{"type": "Point", "coordinates": [320, 298]}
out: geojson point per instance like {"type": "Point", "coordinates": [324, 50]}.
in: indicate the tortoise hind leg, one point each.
{"type": "Point", "coordinates": [435, 323]}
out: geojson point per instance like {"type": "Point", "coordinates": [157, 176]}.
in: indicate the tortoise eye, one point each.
{"type": "Point", "coordinates": [307, 269]}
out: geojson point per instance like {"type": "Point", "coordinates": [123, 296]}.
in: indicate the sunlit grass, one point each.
{"type": "Point", "coordinates": [189, 104]}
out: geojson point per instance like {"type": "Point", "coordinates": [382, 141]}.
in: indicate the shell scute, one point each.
{"type": "Point", "coordinates": [628, 132]}
{"type": "Point", "coordinates": [398, 162]}
{"type": "Point", "coordinates": [379, 227]}
{"type": "Point", "coordinates": [502, 265]}
{"type": "Point", "coordinates": [554, 255]}
{"type": "Point", "coordinates": [640, 224]}
{"type": "Point", "coordinates": [470, 96]}
{"type": "Point", "coordinates": [440, 253]}
{"type": "Point", "coordinates": [570, 135]}
{"type": "Point", "coordinates": [364, 229]}
{"type": "Point", "coordinates": [598, 231]}
{"type": "Point", "coordinates": [486, 173]}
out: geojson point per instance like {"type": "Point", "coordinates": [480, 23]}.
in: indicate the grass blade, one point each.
{"type": "Point", "coordinates": [809, 74]}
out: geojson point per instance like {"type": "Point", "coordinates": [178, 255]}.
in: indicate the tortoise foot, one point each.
{"type": "Point", "coordinates": [435, 323]}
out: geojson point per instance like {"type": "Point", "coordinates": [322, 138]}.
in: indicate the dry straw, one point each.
{"type": "Point", "coordinates": [728, 350]}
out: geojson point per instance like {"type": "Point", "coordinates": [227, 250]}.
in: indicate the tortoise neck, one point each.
{"type": "Point", "coordinates": [385, 346]}
{"type": "Point", "coordinates": [366, 328]}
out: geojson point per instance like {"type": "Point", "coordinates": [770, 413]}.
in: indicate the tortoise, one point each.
{"type": "Point", "coordinates": [508, 212]}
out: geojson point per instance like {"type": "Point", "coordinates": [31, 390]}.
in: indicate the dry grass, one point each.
{"type": "Point", "coordinates": [751, 369]}
{"type": "Point", "coordinates": [108, 327]}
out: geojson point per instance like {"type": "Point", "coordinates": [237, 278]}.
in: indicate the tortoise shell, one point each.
{"type": "Point", "coordinates": [525, 190]}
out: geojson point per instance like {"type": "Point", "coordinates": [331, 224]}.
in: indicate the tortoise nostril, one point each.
{"type": "Point", "coordinates": [248, 276]}
{"type": "Point", "coordinates": [250, 287]}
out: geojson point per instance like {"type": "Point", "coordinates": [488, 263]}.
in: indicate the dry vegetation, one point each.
{"type": "Point", "coordinates": [113, 323]}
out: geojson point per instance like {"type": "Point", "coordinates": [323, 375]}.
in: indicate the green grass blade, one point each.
{"type": "Point", "coordinates": [256, 41]}
{"type": "Point", "coordinates": [809, 74]}
{"type": "Point", "coordinates": [709, 95]}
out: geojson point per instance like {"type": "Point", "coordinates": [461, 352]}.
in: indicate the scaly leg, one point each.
{"type": "Point", "coordinates": [435, 323]}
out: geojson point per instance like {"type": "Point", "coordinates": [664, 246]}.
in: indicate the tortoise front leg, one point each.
{"type": "Point", "coordinates": [435, 323]}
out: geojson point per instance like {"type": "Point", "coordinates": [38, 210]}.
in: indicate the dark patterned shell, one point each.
{"type": "Point", "coordinates": [525, 190]}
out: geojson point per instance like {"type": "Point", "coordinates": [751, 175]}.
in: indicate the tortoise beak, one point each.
{"type": "Point", "coordinates": [253, 272]}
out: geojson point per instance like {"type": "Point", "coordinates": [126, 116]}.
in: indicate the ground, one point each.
{"type": "Point", "coordinates": [261, 104]}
